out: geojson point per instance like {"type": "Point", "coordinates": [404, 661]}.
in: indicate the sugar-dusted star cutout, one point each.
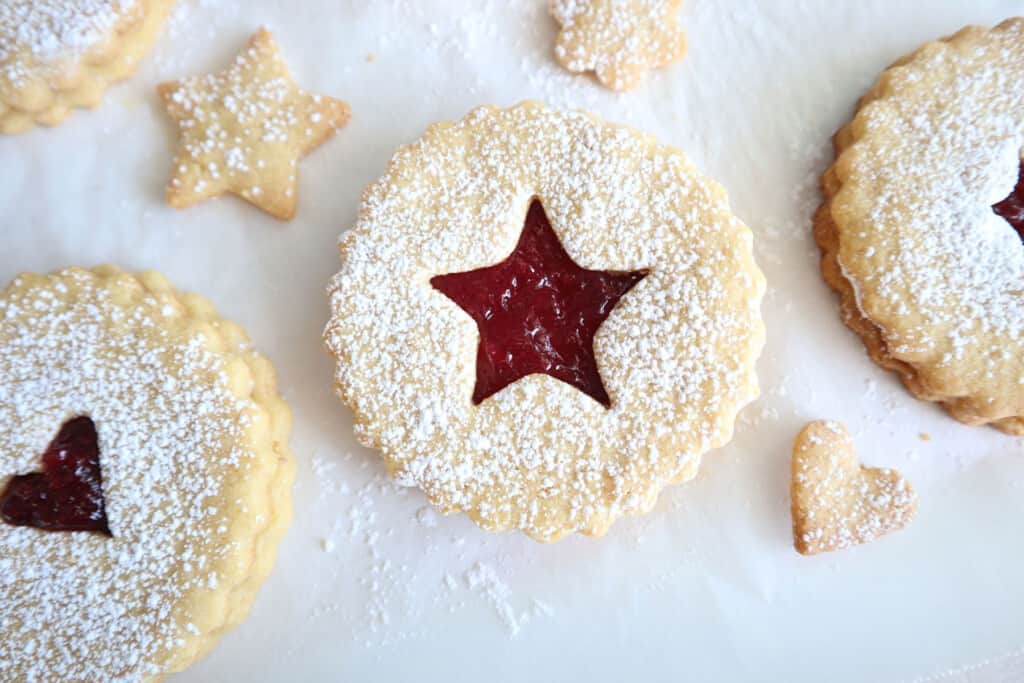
{"type": "Point", "coordinates": [537, 312]}
{"type": "Point", "coordinates": [619, 40]}
{"type": "Point", "coordinates": [243, 130]}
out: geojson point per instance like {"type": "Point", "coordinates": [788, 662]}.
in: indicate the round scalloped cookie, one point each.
{"type": "Point", "coordinates": [929, 275]}
{"type": "Point", "coordinates": [56, 55]}
{"type": "Point", "coordinates": [196, 476]}
{"type": "Point", "coordinates": [676, 354]}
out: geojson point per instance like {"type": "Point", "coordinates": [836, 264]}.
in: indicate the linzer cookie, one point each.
{"type": "Point", "coordinates": [921, 229]}
{"type": "Point", "coordinates": [543, 319]}
{"type": "Point", "coordinates": [619, 40]}
{"type": "Point", "coordinates": [244, 130]}
{"type": "Point", "coordinates": [836, 502]}
{"type": "Point", "coordinates": [144, 476]}
{"type": "Point", "coordinates": [56, 55]}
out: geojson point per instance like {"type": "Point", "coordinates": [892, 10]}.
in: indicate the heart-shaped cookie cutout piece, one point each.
{"type": "Point", "coordinates": [836, 501]}
{"type": "Point", "coordinates": [68, 494]}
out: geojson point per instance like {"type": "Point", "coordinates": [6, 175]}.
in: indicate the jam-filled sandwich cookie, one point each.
{"type": "Point", "coordinates": [56, 55]}
{"type": "Point", "coordinates": [619, 40]}
{"type": "Point", "coordinates": [542, 319]}
{"type": "Point", "coordinates": [921, 231]}
{"type": "Point", "coordinates": [144, 476]}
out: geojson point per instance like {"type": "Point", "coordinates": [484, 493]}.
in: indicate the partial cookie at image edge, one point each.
{"type": "Point", "coordinates": [826, 235]}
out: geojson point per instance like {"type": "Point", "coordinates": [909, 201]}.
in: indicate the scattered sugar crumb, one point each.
{"type": "Point", "coordinates": [427, 517]}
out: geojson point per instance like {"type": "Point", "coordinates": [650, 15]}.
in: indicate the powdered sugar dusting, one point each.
{"type": "Point", "coordinates": [484, 580]}
{"type": "Point", "coordinates": [80, 606]}
{"type": "Point", "coordinates": [406, 568]}
{"type": "Point", "coordinates": [676, 355]}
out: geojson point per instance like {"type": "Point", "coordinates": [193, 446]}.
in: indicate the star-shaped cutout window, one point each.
{"type": "Point", "coordinates": [537, 312]}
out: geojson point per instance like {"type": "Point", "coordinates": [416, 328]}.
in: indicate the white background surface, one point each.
{"type": "Point", "coordinates": [370, 586]}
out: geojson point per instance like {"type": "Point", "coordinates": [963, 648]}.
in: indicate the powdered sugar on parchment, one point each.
{"type": "Point", "coordinates": [401, 582]}
{"type": "Point", "coordinates": [484, 580]}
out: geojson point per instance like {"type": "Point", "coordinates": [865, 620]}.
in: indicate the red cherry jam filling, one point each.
{"type": "Point", "coordinates": [537, 312]}
{"type": "Point", "coordinates": [1012, 208]}
{"type": "Point", "coordinates": [68, 494]}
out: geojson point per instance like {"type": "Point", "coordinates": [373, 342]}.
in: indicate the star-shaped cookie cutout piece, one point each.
{"type": "Point", "coordinates": [619, 40]}
{"type": "Point", "coordinates": [244, 129]}
{"type": "Point", "coordinates": [837, 502]}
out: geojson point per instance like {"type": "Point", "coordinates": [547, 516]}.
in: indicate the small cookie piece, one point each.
{"type": "Point", "coordinates": [243, 130]}
{"type": "Point", "coordinates": [543, 319]}
{"type": "Point", "coordinates": [56, 55]}
{"type": "Point", "coordinates": [837, 502]}
{"type": "Point", "coordinates": [145, 476]}
{"type": "Point", "coordinates": [619, 40]}
{"type": "Point", "coordinates": [922, 225]}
